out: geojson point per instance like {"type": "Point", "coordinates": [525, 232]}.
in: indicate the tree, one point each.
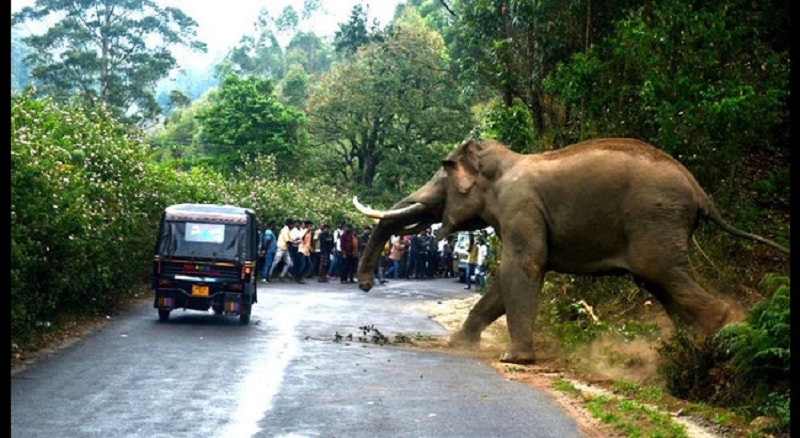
{"type": "Point", "coordinates": [384, 110]}
{"type": "Point", "coordinates": [20, 73]}
{"type": "Point", "coordinates": [311, 52]}
{"type": "Point", "coordinates": [294, 87]}
{"type": "Point", "coordinates": [436, 14]}
{"type": "Point", "coordinates": [512, 45]}
{"type": "Point", "coordinates": [107, 52]}
{"type": "Point", "coordinates": [245, 120]}
{"type": "Point", "coordinates": [178, 139]}
{"type": "Point", "coordinates": [354, 33]}
{"type": "Point", "coordinates": [261, 55]}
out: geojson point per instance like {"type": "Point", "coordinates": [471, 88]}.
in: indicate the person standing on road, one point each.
{"type": "Point", "coordinates": [480, 264]}
{"type": "Point", "coordinates": [356, 255]}
{"type": "Point", "coordinates": [335, 268]}
{"type": "Point", "coordinates": [396, 256]}
{"type": "Point", "coordinates": [412, 267]}
{"type": "Point", "coordinates": [422, 255]}
{"type": "Point", "coordinates": [295, 237]}
{"type": "Point", "coordinates": [445, 258]}
{"type": "Point", "coordinates": [349, 245]}
{"type": "Point", "coordinates": [269, 247]}
{"type": "Point", "coordinates": [363, 239]}
{"type": "Point", "coordinates": [314, 267]}
{"type": "Point", "coordinates": [380, 268]}
{"type": "Point", "coordinates": [433, 256]}
{"type": "Point", "coordinates": [282, 255]}
{"type": "Point", "coordinates": [304, 252]}
{"type": "Point", "coordinates": [472, 259]}
{"type": "Point", "coordinates": [325, 241]}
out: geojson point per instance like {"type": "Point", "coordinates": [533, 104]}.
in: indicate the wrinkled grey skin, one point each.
{"type": "Point", "coordinates": [599, 207]}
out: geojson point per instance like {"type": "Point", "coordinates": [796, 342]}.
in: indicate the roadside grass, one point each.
{"type": "Point", "coordinates": [648, 411]}
{"type": "Point", "coordinates": [634, 419]}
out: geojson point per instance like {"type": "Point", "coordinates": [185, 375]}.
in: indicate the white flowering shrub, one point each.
{"type": "Point", "coordinates": [86, 197]}
{"type": "Point", "coordinates": [81, 203]}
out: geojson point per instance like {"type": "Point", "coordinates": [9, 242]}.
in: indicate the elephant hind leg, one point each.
{"type": "Point", "coordinates": [685, 301]}
{"type": "Point", "coordinates": [488, 308]}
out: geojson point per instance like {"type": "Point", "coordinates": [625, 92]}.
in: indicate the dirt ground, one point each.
{"type": "Point", "coordinates": [593, 376]}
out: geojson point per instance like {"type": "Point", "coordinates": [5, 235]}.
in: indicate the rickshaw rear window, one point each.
{"type": "Point", "coordinates": [206, 233]}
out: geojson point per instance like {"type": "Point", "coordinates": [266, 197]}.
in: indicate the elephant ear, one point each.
{"type": "Point", "coordinates": [462, 166]}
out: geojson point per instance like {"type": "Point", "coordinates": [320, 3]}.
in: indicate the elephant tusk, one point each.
{"type": "Point", "coordinates": [388, 214]}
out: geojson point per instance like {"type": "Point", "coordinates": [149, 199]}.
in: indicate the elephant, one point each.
{"type": "Point", "coordinates": [600, 207]}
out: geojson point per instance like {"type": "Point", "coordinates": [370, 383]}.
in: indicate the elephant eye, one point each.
{"type": "Point", "coordinates": [448, 163]}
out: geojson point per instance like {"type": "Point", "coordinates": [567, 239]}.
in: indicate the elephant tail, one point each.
{"type": "Point", "coordinates": [712, 213]}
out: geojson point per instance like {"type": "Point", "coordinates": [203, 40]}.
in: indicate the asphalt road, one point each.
{"type": "Point", "coordinates": [281, 376]}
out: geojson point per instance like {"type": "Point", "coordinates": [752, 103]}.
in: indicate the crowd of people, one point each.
{"type": "Point", "coordinates": [298, 252]}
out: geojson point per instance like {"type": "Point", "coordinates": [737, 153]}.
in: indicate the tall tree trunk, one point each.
{"type": "Point", "coordinates": [588, 41]}
{"type": "Point", "coordinates": [536, 110]}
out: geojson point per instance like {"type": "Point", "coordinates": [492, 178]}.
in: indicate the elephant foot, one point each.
{"type": "Point", "coordinates": [518, 358]}
{"type": "Point", "coordinates": [717, 317]}
{"type": "Point", "coordinates": [462, 339]}
{"type": "Point", "coordinates": [366, 286]}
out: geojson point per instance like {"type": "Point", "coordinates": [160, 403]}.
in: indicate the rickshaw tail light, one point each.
{"type": "Point", "coordinates": [163, 282]}
{"type": "Point", "coordinates": [232, 306]}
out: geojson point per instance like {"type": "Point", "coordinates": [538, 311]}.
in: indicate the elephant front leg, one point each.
{"type": "Point", "coordinates": [488, 308]}
{"type": "Point", "coordinates": [522, 286]}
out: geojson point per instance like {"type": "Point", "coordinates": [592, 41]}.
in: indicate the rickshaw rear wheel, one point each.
{"type": "Point", "coordinates": [244, 317]}
{"type": "Point", "coordinates": [163, 315]}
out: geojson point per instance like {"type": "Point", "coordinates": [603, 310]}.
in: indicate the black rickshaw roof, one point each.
{"type": "Point", "coordinates": [208, 213]}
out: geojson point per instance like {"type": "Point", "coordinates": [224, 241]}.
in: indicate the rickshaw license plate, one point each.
{"type": "Point", "coordinates": [200, 290]}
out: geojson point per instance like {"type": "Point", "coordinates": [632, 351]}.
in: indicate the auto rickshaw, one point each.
{"type": "Point", "coordinates": [205, 258]}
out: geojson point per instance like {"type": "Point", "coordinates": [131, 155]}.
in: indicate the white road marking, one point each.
{"type": "Point", "coordinates": [263, 380]}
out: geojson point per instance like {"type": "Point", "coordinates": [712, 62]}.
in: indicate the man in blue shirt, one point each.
{"type": "Point", "coordinates": [269, 246]}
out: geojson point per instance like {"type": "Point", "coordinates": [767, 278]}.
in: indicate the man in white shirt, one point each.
{"type": "Point", "coordinates": [295, 237]}
{"type": "Point", "coordinates": [337, 251]}
{"type": "Point", "coordinates": [480, 269]}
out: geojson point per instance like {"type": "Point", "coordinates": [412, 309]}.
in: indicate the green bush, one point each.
{"type": "Point", "coordinates": [746, 365]}
{"type": "Point", "coordinates": [685, 365]}
{"type": "Point", "coordinates": [81, 203]}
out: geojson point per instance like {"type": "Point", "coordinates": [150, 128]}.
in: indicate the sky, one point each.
{"type": "Point", "coordinates": [222, 23]}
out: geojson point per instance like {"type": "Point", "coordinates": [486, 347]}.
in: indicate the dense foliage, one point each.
{"type": "Point", "coordinates": [703, 81]}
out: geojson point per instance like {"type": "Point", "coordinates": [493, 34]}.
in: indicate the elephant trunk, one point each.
{"type": "Point", "coordinates": [415, 212]}
{"type": "Point", "coordinates": [371, 255]}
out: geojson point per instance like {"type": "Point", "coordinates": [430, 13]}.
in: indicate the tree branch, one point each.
{"type": "Point", "coordinates": [447, 7]}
